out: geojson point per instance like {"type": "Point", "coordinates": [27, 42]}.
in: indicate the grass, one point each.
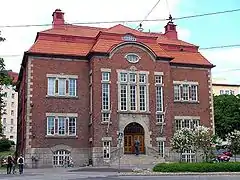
{"type": "Point", "coordinates": [6, 153]}
{"type": "Point", "coordinates": [198, 167]}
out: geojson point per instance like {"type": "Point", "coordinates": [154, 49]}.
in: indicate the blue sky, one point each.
{"type": "Point", "coordinates": [203, 31]}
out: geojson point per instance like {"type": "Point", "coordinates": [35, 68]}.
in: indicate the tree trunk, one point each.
{"type": "Point", "coordinates": [235, 157]}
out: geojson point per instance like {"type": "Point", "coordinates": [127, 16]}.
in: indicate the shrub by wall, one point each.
{"type": "Point", "coordinates": [198, 167]}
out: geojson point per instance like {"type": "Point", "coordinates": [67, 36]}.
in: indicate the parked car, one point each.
{"type": "Point", "coordinates": [228, 153]}
{"type": "Point", "coordinates": [223, 158]}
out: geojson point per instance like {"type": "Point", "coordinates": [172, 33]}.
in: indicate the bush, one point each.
{"type": "Point", "coordinates": [198, 167]}
{"type": "Point", "coordinates": [5, 145]}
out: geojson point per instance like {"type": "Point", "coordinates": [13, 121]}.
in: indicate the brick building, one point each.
{"type": "Point", "coordinates": [80, 86]}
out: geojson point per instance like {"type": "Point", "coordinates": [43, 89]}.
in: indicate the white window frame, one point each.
{"type": "Point", "coordinates": [124, 80]}
{"type": "Point", "coordinates": [188, 156]}
{"type": "Point", "coordinates": [51, 91]}
{"type": "Point", "coordinates": [182, 123]}
{"type": "Point", "coordinates": [56, 125]}
{"type": "Point", "coordinates": [161, 148]}
{"type": "Point", "coordinates": [59, 157]}
{"type": "Point", "coordinates": [107, 148]}
{"type": "Point", "coordinates": [183, 91]}
{"type": "Point", "coordinates": [106, 102]}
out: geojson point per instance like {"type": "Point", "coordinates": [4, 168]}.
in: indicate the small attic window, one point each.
{"type": "Point", "coordinates": [132, 58]}
{"type": "Point", "coordinates": [128, 37]}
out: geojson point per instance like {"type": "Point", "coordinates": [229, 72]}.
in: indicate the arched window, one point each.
{"type": "Point", "coordinates": [60, 157]}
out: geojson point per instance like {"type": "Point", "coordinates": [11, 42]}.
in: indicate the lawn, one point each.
{"type": "Point", "coordinates": [198, 167]}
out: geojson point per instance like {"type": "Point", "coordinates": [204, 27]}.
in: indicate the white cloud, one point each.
{"type": "Point", "coordinates": [227, 63]}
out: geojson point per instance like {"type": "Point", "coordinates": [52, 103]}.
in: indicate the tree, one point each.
{"type": "Point", "coordinates": [234, 139]}
{"type": "Point", "coordinates": [226, 114]}
{"type": "Point", "coordinates": [182, 140]}
{"type": "Point", "coordinates": [4, 80]}
{"type": "Point", "coordinates": [203, 139]}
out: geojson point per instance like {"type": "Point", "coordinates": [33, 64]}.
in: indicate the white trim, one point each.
{"type": "Point", "coordinates": [62, 76]}
{"type": "Point", "coordinates": [106, 138]}
{"type": "Point", "coordinates": [158, 73]}
{"type": "Point", "coordinates": [160, 138]}
{"type": "Point", "coordinates": [132, 54]}
{"type": "Point", "coordinates": [186, 117]}
{"type": "Point", "coordinates": [105, 70]}
{"type": "Point", "coordinates": [186, 82]}
{"type": "Point", "coordinates": [63, 114]}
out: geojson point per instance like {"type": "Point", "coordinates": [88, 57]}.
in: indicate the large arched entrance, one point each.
{"type": "Point", "coordinates": [132, 132]}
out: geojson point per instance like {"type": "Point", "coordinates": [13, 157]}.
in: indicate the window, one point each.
{"type": "Point", "coordinates": [61, 157]}
{"type": "Point", "coordinates": [105, 117]}
{"type": "Point", "coordinates": [72, 87]}
{"type": "Point", "coordinates": [11, 137]}
{"type": "Point", "coordinates": [132, 58]}
{"type": "Point", "coordinates": [159, 118]}
{"type": "Point", "coordinates": [4, 120]}
{"type": "Point", "coordinates": [12, 112]}
{"type": "Point", "coordinates": [5, 94]}
{"type": "Point", "coordinates": [11, 121]}
{"type": "Point", "coordinates": [132, 91]}
{"type": "Point", "coordinates": [232, 92]}
{"type": "Point", "coordinates": [13, 95]}
{"type": "Point", "coordinates": [62, 126]}
{"type": "Point", "coordinates": [186, 123]}
{"type": "Point", "coordinates": [159, 99]}
{"type": "Point", "coordinates": [105, 76]}
{"type": "Point", "coordinates": [221, 92]}
{"type": "Point", "coordinates": [123, 97]}
{"type": "Point", "coordinates": [106, 149]}
{"type": "Point", "coordinates": [177, 95]}
{"type": "Point", "coordinates": [106, 96]}
{"type": "Point", "coordinates": [158, 79]}
{"type": "Point", "coordinates": [12, 104]}
{"type": "Point", "coordinates": [142, 98]}
{"type": "Point", "coordinates": [161, 148]}
{"type": "Point", "coordinates": [188, 156]}
{"type": "Point", "coordinates": [133, 98]}
{"type": "Point", "coordinates": [129, 37]}
{"type": "Point", "coordinates": [11, 129]}
{"type": "Point", "coordinates": [186, 92]}
{"type": "Point", "coordinates": [62, 86]}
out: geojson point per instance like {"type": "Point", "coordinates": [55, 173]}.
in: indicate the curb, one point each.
{"type": "Point", "coordinates": [181, 174]}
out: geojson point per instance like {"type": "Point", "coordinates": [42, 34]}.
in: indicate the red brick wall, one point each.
{"type": "Point", "coordinates": [43, 104]}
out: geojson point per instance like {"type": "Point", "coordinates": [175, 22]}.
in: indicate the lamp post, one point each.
{"type": "Point", "coordinates": [120, 136]}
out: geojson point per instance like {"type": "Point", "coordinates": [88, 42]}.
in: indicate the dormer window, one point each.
{"type": "Point", "coordinates": [129, 37]}
{"type": "Point", "coordinates": [132, 58]}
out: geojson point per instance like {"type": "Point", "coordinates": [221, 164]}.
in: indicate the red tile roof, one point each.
{"type": "Point", "coordinates": [100, 43]}
{"type": "Point", "coordinates": [188, 58]}
{"type": "Point", "coordinates": [13, 75]}
{"type": "Point", "coordinates": [62, 48]}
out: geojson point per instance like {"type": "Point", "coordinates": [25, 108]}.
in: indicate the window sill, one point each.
{"type": "Point", "coordinates": [60, 137]}
{"type": "Point", "coordinates": [190, 102]}
{"type": "Point", "coordinates": [160, 124]}
{"type": "Point", "coordinates": [106, 122]}
{"type": "Point", "coordinates": [133, 112]}
{"type": "Point", "coordinates": [62, 97]}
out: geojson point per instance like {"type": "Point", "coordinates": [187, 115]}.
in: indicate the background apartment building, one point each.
{"type": "Point", "coordinates": [9, 117]}
{"type": "Point", "coordinates": [223, 87]}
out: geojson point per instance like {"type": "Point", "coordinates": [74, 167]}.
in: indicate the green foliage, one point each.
{"type": "Point", "coordinates": [226, 114]}
{"type": "Point", "coordinates": [182, 140]}
{"type": "Point", "coordinates": [5, 145]}
{"type": "Point", "coordinates": [4, 80]}
{"type": "Point", "coordinates": [234, 139]}
{"type": "Point", "coordinates": [198, 167]}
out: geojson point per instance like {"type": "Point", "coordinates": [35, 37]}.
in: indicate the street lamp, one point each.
{"type": "Point", "coordinates": [120, 137]}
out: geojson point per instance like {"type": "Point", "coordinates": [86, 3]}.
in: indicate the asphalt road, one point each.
{"type": "Point", "coordinates": [109, 176]}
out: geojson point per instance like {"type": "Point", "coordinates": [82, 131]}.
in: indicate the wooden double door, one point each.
{"type": "Point", "coordinates": [129, 143]}
{"type": "Point", "coordinates": [133, 132]}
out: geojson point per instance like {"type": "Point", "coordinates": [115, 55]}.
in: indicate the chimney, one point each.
{"type": "Point", "coordinates": [58, 18]}
{"type": "Point", "coordinates": [170, 29]}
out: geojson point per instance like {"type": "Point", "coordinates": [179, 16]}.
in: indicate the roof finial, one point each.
{"type": "Point", "coordinates": [140, 27]}
{"type": "Point", "coordinates": [170, 18]}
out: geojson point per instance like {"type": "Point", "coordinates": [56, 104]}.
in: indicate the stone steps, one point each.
{"type": "Point", "coordinates": [138, 160]}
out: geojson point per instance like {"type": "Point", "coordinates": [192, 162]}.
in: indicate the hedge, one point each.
{"type": "Point", "coordinates": [198, 167]}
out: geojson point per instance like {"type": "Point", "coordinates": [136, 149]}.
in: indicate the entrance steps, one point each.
{"type": "Point", "coordinates": [142, 160]}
